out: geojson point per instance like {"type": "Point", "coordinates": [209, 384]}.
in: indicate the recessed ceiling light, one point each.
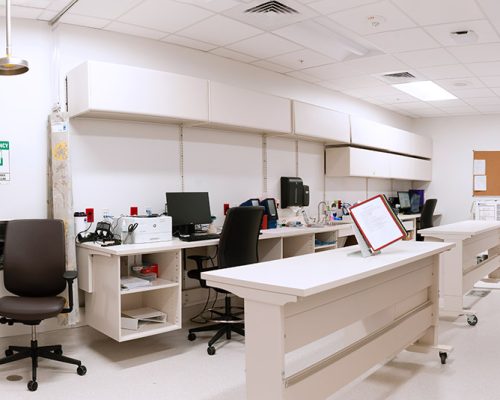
{"type": "Point", "coordinates": [465, 36]}
{"type": "Point", "coordinates": [425, 90]}
{"type": "Point", "coordinates": [461, 84]}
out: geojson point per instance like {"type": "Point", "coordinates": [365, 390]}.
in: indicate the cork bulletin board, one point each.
{"type": "Point", "coordinates": [486, 173]}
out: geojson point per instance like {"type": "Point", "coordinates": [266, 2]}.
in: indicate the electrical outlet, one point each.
{"type": "Point", "coordinates": [105, 213]}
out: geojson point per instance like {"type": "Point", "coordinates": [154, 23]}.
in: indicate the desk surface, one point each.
{"type": "Point", "coordinates": [313, 273]}
{"type": "Point", "coordinates": [469, 227]}
{"type": "Point", "coordinates": [176, 244]}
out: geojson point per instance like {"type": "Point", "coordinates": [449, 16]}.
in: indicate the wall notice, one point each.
{"type": "Point", "coordinates": [4, 162]}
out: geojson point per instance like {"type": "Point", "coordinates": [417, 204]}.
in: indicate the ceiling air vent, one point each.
{"type": "Point", "coordinates": [272, 7]}
{"type": "Point", "coordinates": [397, 77]}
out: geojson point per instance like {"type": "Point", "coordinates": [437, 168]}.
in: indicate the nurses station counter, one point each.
{"type": "Point", "coordinates": [374, 307]}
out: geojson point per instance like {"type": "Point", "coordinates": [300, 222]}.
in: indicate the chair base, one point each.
{"type": "Point", "coordinates": [15, 353]}
{"type": "Point", "coordinates": [227, 323]}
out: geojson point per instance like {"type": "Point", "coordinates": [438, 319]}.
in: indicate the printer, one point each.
{"type": "Point", "coordinates": [146, 229]}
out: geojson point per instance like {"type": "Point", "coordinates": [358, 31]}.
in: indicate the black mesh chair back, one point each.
{"type": "Point", "coordinates": [240, 236]}
{"type": "Point", "coordinates": [427, 214]}
{"type": "Point", "coordinates": [34, 258]}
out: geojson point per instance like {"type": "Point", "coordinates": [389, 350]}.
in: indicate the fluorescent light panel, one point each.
{"type": "Point", "coordinates": [425, 90]}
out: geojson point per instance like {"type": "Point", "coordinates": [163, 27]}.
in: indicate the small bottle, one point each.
{"type": "Point", "coordinates": [212, 228]}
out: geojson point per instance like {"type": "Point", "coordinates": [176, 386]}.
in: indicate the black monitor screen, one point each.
{"type": "Point", "coordinates": [188, 208]}
{"type": "Point", "coordinates": [415, 203]}
{"type": "Point", "coordinates": [404, 200]}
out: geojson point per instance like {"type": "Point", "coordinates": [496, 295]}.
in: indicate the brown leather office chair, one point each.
{"type": "Point", "coordinates": [237, 246]}
{"type": "Point", "coordinates": [35, 272]}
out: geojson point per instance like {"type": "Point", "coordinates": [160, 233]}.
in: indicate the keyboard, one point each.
{"type": "Point", "coordinates": [199, 236]}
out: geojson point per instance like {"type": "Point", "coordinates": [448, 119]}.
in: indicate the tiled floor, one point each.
{"type": "Point", "coordinates": [171, 368]}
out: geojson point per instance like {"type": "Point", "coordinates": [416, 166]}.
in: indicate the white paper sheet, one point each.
{"type": "Point", "coordinates": [479, 167]}
{"type": "Point", "coordinates": [480, 183]}
{"type": "Point", "coordinates": [376, 223]}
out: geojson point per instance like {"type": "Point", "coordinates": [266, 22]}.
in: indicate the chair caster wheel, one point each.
{"type": "Point", "coordinates": [211, 350]}
{"type": "Point", "coordinates": [443, 356]}
{"type": "Point", "coordinates": [32, 386]}
{"type": "Point", "coordinates": [472, 320]}
{"type": "Point", "coordinates": [81, 370]}
{"type": "Point", "coordinates": [191, 336]}
{"type": "Point", "coordinates": [9, 353]}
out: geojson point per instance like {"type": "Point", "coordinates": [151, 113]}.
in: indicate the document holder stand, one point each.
{"type": "Point", "coordinates": [363, 246]}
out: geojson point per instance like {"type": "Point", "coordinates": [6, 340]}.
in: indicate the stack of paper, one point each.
{"type": "Point", "coordinates": [130, 282]}
{"type": "Point", "coordinates": [132, 319]}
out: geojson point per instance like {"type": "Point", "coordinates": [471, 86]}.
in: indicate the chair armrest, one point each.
{"type": "Point", "coordinates": [69, 277]}
{"type": "Point", "coordinates": [199, 261]}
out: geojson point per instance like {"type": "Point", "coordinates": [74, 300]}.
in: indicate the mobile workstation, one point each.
{"type": "Point", "coordinates": [385, 303]}
{"type": "Point", "coordinates": [460, 269]}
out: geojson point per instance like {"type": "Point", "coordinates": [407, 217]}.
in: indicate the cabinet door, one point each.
{"type": "Point", "coordinates": [349, 161]}
{"type": "Point", "coordinates": [384, 137]}
{"type": "Point", "coordinates": [241, 108]}
{"type": "Point", "coordinates": [98, 89]}
{"type": "Point", "coordinates": [410, 168]}
{"type": "Point", "coordinates": [321, 123]}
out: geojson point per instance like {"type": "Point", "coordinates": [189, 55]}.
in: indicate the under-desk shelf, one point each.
{"type": "Point", "coordinates": [147, 329]}
{"type": "Point", "coordinates": [325, 247]}
{"type": "Point", "coordinates": [155, 285]}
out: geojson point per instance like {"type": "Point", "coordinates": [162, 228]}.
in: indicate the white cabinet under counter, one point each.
{"type": "Point", "coordinates": [315, 122]}
{"type": "Point", "coordinates": [104, 90]}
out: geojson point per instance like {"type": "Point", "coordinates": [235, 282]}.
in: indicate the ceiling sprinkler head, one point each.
{"type": "Point", "coordinates": [375, 20]}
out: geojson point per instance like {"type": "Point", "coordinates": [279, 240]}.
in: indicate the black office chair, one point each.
{"type": "Point", "coordinates": [237, 246]}
{"type": "Point", "coordinates": [35, 271]}
{"type": "Point", "coordinates": [426, 216]}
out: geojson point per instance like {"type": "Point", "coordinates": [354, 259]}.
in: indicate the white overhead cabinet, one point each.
{"type": "Point", "coordinates": [103, 90]}
{"type": "Point", "coordinates": [378, 136]}
{"type": "Point", "coordinates": [351, 161]}
{"type": "Point", "coordinates": [247, 110]}
{"type": "Point", "coordinates": [311, 121]}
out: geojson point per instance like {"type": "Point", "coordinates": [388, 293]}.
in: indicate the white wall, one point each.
{"type": "Point", "coordinates": [454, 139]}
{"type": "Point", "coordinates": [118, 164]}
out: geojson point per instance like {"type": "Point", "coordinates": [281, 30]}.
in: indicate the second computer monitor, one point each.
{"type": "Point", "coordinates": [188, 209]}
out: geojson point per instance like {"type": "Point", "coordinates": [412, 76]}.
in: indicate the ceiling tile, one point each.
{"type": "Point", "coordinates": [488, 108]}
{"type": "Point", "coordinates": [403, 40]}
{"type": "Point", "coordinates": [430, 12]}
{"type": "Point", "coordinates": [57, 5]}
{"type": "Point", "coordinates": [479, 101]}
{"type": "Point", "coordinates": [164, 15]}
{"type": "Point", "coordinates": [213, 5]}
{"type": "Point", "coordinates": [357, 19]}
{"type": "Point", "coordinates": [134, 30]}
{"type": "Point", "coordinates": [186, 42]}
{"type": "Point", "coordinates": [84, 21]}
{"type": "Point", "coordinates": [460, 83]}
{"type": "Point", "coordinates": [367, 65]}
{"type": "Point", "coordinates": [303, 76]}
{"type": "Point", "coordinates": [219, 30]}
{"type": "Point", "coordinates": [426, 58]}
{"type": "Point", "coordinates": [264, 46]}
{"type": "Point", "coordinates": [30, 3]}
{"type": "Point", "coordinates": [448, 103]}
{"type": "Point", "coordinates": [483, 29]}
{"type": "Point", "coordinates": [477, 53]}
{"type": "Point", "coordinates": [431, 112]}
{"type": "Point", "coordinates": [397, 98]}
{"type": "Point", "coordinates": [496, 90]}
{"type": "Point", "coordinates": [271, 66]}
{"type": "Point", "coordinates": [445, 72]}
{"type": "Point", "coordinates": [329, 6]}
{"type": "Point", "coordinates": [469, 93]}
{"type": "Point", "coordinates": [270, 21]}
{"type": "Point", "coordinates": [47, 15]}
{"type": "Point", "coordinates": [301, 59]}
{"type": "Point", "coordinates": [234, 55]}
{"type": "Point", "coordinates": [415, 106]}
{"type": "Point", "coordinates": [103, 9]}
{"type": "Point", "coordinates": [22, 12]}
{"type": "Point", "coordinates": [376, 92]}
{"type": "Point", "coordinates": [358, 82]}
{"type": "Point", "coordinates": [485, 69]}
{"type": "Point", "coordinates": [492, 9]}
{"type": "Point", "coordinates": [491, 81]}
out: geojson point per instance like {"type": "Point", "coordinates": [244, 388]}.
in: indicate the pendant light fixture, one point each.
{"type": "Point", "coordinates": [11, 65]}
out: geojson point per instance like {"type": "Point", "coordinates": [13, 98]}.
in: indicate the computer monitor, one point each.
{"type": "Point", "coordinates": [188, 209]}
{"type": "Point", "coordinates": [404, 200]}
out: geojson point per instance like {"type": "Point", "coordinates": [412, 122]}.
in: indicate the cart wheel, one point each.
{"type": "Point", "coordinates": [211, 350]}
{"type": "Point", "coordinates": [32, 386]}
{"type": "Point", "coordinates": [472, 320]}
{"type": "Point", "coordinates": [191, 336]}
{"type": "Point", "coordinates": [81, 370]}
{"type": "Point", "coordinates": [443, 356]}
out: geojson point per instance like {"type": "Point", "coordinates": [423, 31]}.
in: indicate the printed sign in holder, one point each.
{"type": "Point", "coordinates": [375, 225]}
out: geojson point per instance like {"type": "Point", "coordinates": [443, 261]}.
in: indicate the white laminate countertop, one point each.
{"type": "Point", "coordinates": [314, 273]}
{"type": "Point", "coordinates": [467, 228]}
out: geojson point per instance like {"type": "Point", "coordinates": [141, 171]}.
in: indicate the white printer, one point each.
{"type": "Point", "coordinates": [134, 230]}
